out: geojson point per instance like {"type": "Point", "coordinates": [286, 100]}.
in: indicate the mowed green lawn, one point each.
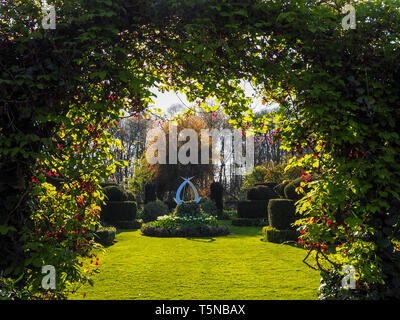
{"type": "Point", "coordinates": [239, 267]}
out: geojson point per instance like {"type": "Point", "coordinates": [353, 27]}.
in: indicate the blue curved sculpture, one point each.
{"type": "Point", "coordinates": [178, 192]}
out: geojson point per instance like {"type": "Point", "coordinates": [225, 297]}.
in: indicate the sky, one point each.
{"type": "Point", "coordinates": [166, 99]}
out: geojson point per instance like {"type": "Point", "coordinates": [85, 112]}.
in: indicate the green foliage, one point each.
{"type": "Point", "coordinates": [228, 214]}
{"type": "Point", "coordinates": [190, 208]}
{"type": "Point", "coordinates": [252, 209]}
{"type": "Point", "coordinates": [127, 224]}
{"type": "Point", "coordinates": [105, 235]}
{"type": "Point", "coordinates": [290, 190]}
{"type": "Point", "coordinates": [174, 221]}
{"type": "Point", "coordinates": [142, 175]}
{"type": "Point", "coordinates": [281, 213]}
{"type": "Point", "coordinates": [255, 176]}
{"type": "Point", "coordinates": [149, 192]}
{"type": "Point", "coordinates": [260, 193]}
{"type": "Point", "coordinates": [186, 231]}
{"type": "Point", "coordinates": [115, 211]}
{"type": "Point", "coordinates": [244, 222]}
{"type": "Point", "coordinates": [208, 207]}
{"type": "Point", "coordinates": [216, 194]}
{"type": "Point", "coordinates": [115, 193]}
{"type": "Point", "coordinates": [280, 189]}
{"type": "Point", "coordinates": [271, 234]}
{"type": "Point", "coordinates": [184, 226]}
{"type": "Point", "coordinates": [130, 196]}
{"type": "Point", "coordinates": [152, 210]}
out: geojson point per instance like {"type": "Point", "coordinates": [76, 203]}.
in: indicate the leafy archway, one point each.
{"type": "Point", "coordinates": [61, 89]}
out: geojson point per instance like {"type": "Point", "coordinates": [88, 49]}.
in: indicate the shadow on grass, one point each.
{"type": "Point", "coordinates": [238, 232]}
{"type": "Point", "coordinates": [201, 239]}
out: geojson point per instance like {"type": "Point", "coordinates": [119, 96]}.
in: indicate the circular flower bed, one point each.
{"type": "Point", "coordinates": [185, 226]}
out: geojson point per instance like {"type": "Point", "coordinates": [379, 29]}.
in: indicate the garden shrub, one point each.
{"type": "Point", "coordinates": [280, 189]}
{"type": "Point", "coordinates": [185, 226]}
{"type": "Point", "coordinates": [175, 226]}
{"type": "Point", "coordinates": [228, 214]}
{"type": "Point", "coordinates": [281, 213]}
{"type": "Point", "coordinates": [115, 193]}
{"type": "Point", "coordinates": [108, 183]}
{"type": "Point", "coordinates": [260, 192]}
{"type": "Point", "coordinates": [290, 190]}
{"type": "Point", "coordinates": [127, 224]}
{"type": "Point", "coordinates": [118, 211]}
{"type": "Point", "coordinates": [244, 222]}
{"type": "Point", "coordinates": [105, 235]}
{"type": "Point", "coordinates": [252, 209]}
{"type": "Point", "coordinates": [149, 192]}
{"type": "Point", "coordinates": [208, 207]}
{"type": "Point", "coordinates": [153, 210]}
{"type": "Point", "coordinates": [130, 196]}
{"type": "Point", "coordinates": [216, 194]}
{"type": "Point", "coordinates": [171, 204]}
{"type": "Point", "coordinates": [190, 208]}
{"type": "Point", "coordinates": [271, 234]}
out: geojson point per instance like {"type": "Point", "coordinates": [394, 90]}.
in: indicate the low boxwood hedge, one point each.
{"type": "Point", "coordinates": [271, 234]}
{"type": "Point", "coordinates": [184, 226]}
{"type": "Point", "coordinates": [252, 209]}
{"type": "Point", "coordinates": [118, 211]}
{"type": "Point", "coordinates": [281, 213]}
{"type": "Point", "coordinates": [105, 235]}
{"type": "Point", "coordinates": [186, 231]}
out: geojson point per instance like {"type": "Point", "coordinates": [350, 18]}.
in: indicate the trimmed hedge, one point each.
{"type": "Point", "coordinates": [280, 189]}
{"type": "Point", "coordinates": [186, 231]}
{"type": "Point", "coordinates": [190, 208]}
{"type": "Point", "coordinates": [105, 235]}
{"type": "Point", "coordinates": [118, 211]}
{"type": "Point", "coordinates": [252, 209]}
{"type": "Point", "coordinates": [127, 224]}
{"type": "Point", "coordinates": [208, 207]}
{"type": "Point", "coordinates": [115, 193]}
{"type": "Point", "coordinates": [130, 196]}
{"type": "Point", "coordinates": [243, 222]}
{"type": "Point", "coordinates": [153, 210]}
{"type": "Point", "coordinates": [279, 236]}
{"type": "Point", "coordinates": [281, 213]}
{"type": "Point", "coordinates": [260, 193]}
{"type": "Point", "coordinates": [108, 183]}
{"type": "Point", "coordinates": [290, 190]}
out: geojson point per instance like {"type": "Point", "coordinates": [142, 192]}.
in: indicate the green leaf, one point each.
{"type": "Point", "coordinates": [4, 229]}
